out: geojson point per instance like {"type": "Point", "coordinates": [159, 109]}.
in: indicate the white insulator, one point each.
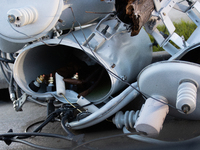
{"type": "Point", "coordinates": [128, 119]}
{"type": "Point", "coordinates": [22, 16]}
{"type": "Point", "coordinates": [152, 116]}
{"type": "Point", "coordinates": [60, 85]}
{"type": "Point", "coordinates": [186, 97]}
{"type": "Point", "coordinates": [83, 101]}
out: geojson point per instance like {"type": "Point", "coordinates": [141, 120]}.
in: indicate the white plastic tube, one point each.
{"type": "Point", "coordinates": [152, 116]}
{"type": "Point", "coordinates": [83, 101]}
{"type": "Point", "coordinates": [108, 109]}
{"type": "Point", "coordinates": [60, 85]}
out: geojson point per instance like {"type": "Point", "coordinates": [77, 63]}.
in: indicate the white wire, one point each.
{"type": "Point", "coordinates": [108, 109]}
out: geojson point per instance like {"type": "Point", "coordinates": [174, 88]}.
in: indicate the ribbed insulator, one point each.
{"type": "Point", "coordinates": [22, 16]}
{"type": "Point", "coordinates": [128, 119]}
{"type": "Point", "coordinates": [186, 97]}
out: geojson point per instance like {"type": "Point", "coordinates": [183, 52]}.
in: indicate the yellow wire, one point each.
{"type": "Point", "coordinates": [71, 103]}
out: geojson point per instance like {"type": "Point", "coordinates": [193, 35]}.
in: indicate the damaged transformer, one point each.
{"type": "Point", "coordinates": [96, 63]}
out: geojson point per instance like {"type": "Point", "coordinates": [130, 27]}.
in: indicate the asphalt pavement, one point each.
{"type": "Point", "coordinates": [102, 136]}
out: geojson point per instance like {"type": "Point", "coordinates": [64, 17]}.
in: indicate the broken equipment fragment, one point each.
{"type": "Point", "coordinates": [134, 12]}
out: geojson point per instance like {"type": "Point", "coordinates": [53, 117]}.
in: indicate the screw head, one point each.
{"type": "Point", "coordinates": [11, 18]}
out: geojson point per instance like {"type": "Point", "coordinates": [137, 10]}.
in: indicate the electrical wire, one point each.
{"type": "Point", "coordinates": [70, 103]}
{"type": "Point", "coordinates": [120, 79]}
{"type": "Point", "coordinates": [92, 12]}
{"type": "Point", "coordinates": [4, 74]}
{"type": "Point", "coordinates": [62, 120]}
{"type": "Point", "coordinates": [95, 58]}
{"type": "Point", "coordinates": [6, 60]}
{"type": "Point", "coordinates": [5, 67]}
{"type": "Point", "coordinates": [142, 138]}
{"type": "Point", "coordinates": [35, 123]}
{"type": "Point", "coordinates": [16, 137]}
{"type": "Point", "coordinates": [34, 145]}
{"type": "Point", "coordinates": [11, 56]}
{"type": "Point", "coordinates": [49, 118]}
{"type": "Point", "coordinates": [65, 128]}
{"type": "Point", "coordinates": [135, 136]}
{"type": "Point", "coordinates": [104, 138]}
{"type": "Point", "coordinates": [40, 39]}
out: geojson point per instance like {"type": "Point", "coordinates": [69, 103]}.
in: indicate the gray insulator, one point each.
{"type": "Point", "coordinates": [128, 119]}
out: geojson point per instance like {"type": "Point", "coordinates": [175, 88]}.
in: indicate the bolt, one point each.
{"type": "Point", "coordinates": [105, 30]}
{"type": "Point", "coordinates": [124, 78]}
{"type": "Point", "coordinates": [185, 108]}
{"type": "Point", "coordinates": [113, 66]}
{"type": "Point", "coordinates": [11, 18]}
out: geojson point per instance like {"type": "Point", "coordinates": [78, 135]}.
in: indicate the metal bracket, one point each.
{"type": "Point", "coordinates": [157, 5]}
{"type": "Point", "coordinates": [103, 35]}
{"type": "Point", "coordinates": [17, 104]}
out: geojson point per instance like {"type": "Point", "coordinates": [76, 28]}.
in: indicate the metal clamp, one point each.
{"type": "Point", "coordinates": [17, 104]}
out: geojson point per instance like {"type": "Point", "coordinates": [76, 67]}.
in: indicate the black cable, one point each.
{"type": "Point", "coordinates": [11, 88]}
{"type": "Point", "coordinates": [107, 137]}
{"type": "Point", "coordinates": [28, 134]}
{"type": "Point", "coordinates": [7, 60]}
{"type": "Point", "coordinates": [11, 137]}
{"type": "Point", "coordinates": [8, 138]}
{"type": "Point", "coordinates": [44, 123]}
{"type": "Point", "coordinates": [18, 91]}
{"type": "Point", "coordinates": [48, 119]}
{"type": "Point", "coordinates": [65, 128]}
{"type": "Point", "coordinates": [35, 123]}
{"type": "Point", "coordinates": [34, 145]}
{"type": "Point", "coordinates": [11, 56]}
{"type": "Point", "coordinates": [5, 76]}
{"type": "Point", "coordinates": [3, 71]}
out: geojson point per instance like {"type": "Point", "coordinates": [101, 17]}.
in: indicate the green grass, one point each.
{"type": "Point", "coordinates": [182, 28]}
